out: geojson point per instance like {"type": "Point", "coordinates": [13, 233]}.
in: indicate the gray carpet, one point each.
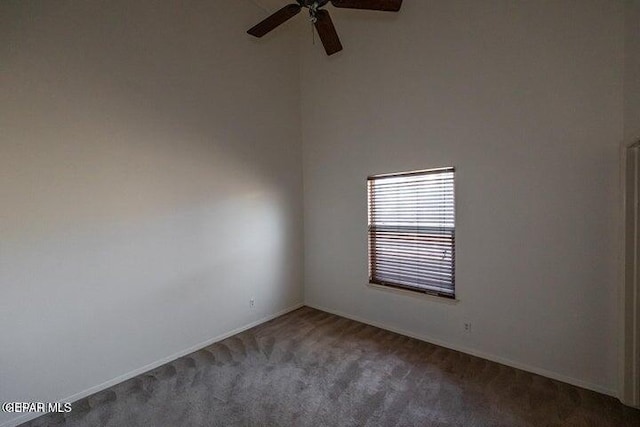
{"type": "Point", "coordinates": [310, 368]}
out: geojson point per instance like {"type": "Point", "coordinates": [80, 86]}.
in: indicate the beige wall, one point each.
{"type": "Point", "coordinates": [524, 98]}
{"type": "Point", "coordinates": [150, 185]}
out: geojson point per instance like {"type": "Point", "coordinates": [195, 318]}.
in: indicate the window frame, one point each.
{"type": "Point", "coordinates": [415, 290]}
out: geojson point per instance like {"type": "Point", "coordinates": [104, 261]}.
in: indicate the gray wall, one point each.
{"type": "Point", "coordinates": [150, 185]}
{"type": "Point", "coordinates": [525, 99]}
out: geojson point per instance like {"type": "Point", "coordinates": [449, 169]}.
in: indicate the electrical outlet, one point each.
{"type": "Point", "coordinates": [467, 327]}
{"type": "Point", "coordinates": [252, 302]}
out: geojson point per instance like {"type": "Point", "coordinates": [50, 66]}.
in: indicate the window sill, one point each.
{"type": "Point", "coordinates": [414, 294]}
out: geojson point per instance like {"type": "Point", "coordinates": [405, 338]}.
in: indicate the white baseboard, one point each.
{"type": "Point", "coordinates": [30, 416]}
{"type": "Point", "coordinates": [491, 357]}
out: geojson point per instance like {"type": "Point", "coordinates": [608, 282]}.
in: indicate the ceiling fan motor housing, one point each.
{"type": "Point", "coordinates": [312, 4]}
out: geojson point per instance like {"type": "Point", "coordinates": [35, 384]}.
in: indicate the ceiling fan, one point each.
{"type": "Point", "coordinates": [321, 19]}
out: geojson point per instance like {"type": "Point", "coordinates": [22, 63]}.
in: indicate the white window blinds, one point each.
{"type": "Point", "coordinates": [412, 231]}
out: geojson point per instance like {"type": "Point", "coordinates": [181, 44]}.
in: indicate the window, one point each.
{"type": "Point", "coordinates": [412, 231]}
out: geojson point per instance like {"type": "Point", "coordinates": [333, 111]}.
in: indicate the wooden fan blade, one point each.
{"type": "Point", "coordinates": [279, 17]}
{"type": "Point", "coordinates": [327, 32]}
{"type": "Point", "coordinates": [385, 5]}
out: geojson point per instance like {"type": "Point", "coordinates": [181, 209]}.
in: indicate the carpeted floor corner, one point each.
{"type": "Point", "coordinates": [311, 368]}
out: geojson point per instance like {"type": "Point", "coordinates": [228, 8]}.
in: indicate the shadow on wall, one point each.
{"type": "Point", "coordinates": [128, 120]}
